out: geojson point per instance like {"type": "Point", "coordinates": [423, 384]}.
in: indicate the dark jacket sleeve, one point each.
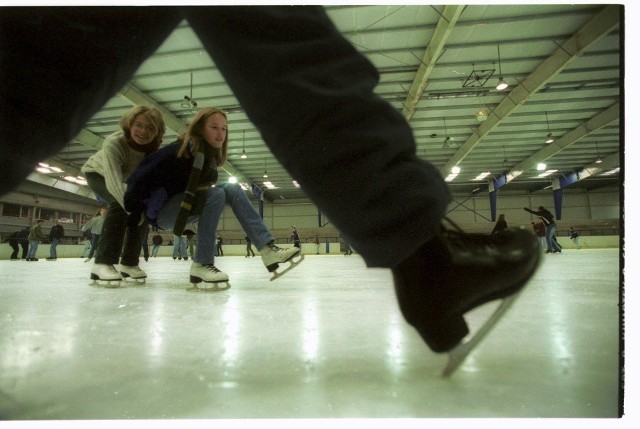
{"type": "Point", "coordinates": [151, 173]}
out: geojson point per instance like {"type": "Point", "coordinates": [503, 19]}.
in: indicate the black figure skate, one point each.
{"type": "Point", "coordinates": [456, 272]}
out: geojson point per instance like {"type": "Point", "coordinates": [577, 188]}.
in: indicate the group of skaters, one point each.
{"type": "Point", "coordinates": [544, 228]}
{"type": "Point", "coordinates": [29, 238]}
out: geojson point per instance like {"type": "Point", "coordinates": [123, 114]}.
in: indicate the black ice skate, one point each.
{"type": "Point", "coordinates": [133, 273]}
{"type": "Point", "coordinates": [105, 273]}
{"type": "Point", "coordinates": [456, 272]}
{"type": "Point", "coordinates": [273, 256]}
{"type": "Point", "coordinates": [214, 279]}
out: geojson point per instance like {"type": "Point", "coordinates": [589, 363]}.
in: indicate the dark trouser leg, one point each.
{"type": "Point", "coordinates": [116, 236]}
{"type": "Point", "coordinates": [76, 58]}
{"type": "Point", "coordinates": [311, 95]}
{"type": "Point", "coordinates": [14, 246]}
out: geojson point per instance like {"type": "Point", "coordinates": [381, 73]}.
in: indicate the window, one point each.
{"type": "Point", "coordinates": [47, 214]}
{"type": "Point", "coordinates": [11, 210]}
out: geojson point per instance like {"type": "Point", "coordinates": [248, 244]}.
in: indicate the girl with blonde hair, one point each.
{"type": "Point", "coordinates": [106, 171]}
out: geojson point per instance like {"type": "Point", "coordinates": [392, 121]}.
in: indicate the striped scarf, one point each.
{"type": "Point", "coordinates": [195, 193]}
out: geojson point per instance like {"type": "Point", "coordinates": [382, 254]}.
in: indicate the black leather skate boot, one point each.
{"type": "Point", "coordinates": [456, 272]}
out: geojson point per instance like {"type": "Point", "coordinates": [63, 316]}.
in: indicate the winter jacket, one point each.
{"type": "Point", "coordinates": [56, 232]}
{"type": "Point", "coordinates": [114, 161]}
{"type": "Point", "coordinates": [547, 217]}
{"type": "Point", "coordinates": [36, 233]}
{"type": "Point", "coordinates": [160, 176]}
{"type": "Point", "coordinates": [94, 225]}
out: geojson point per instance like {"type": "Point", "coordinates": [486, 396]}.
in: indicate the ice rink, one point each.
{"type": "Point", "coordinates": [324, 341]}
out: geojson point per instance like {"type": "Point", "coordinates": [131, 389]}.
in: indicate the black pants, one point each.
{"type": "Point", "coordinates": [14, 245]}
{"type": "Point", "coordinates": [305, 87]}
{"type": "Point", "coordinates": [116, 238]}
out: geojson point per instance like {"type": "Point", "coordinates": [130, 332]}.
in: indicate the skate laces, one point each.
{"type": "Point", "coordinates": [211, 268]}
{"type": "Point", "coordinates": [454, 236]}
{"type": "Point", "coordinates": [273, 247]}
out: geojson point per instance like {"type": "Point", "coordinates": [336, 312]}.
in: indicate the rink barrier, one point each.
{"type": "Point", "coordinates": [75, 250]}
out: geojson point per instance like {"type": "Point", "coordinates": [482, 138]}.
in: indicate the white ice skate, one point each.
{"type": "Point", "coordinates": [460, 352]}
{"type": "Point", "coordinates": [135, 273]}
{"type": "Point", "coordinates": [106, 273]}
{"type": "Point", "coordinates": [208, 274]}
{"type": "Point", "coordinates": [273, 255]}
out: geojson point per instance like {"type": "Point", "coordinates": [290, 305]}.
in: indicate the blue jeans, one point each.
{"type": "Point", "coordinates": [33, 248]}
{"type": "Point", "coordinates": [52, 250]}
{"type": "Point", "coordinates": [179, 246]}
{"type": "Point", "coordinates": [248, 217]}
{"type": "Point", "coordinates": [207, 222]}
{"type": "Point", "coordinates": [95, 238]}
{"type": "Point", "coordinates": [551, 243]}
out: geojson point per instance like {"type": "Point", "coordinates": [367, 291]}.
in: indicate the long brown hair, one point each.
{"type": "Point", "coordinates": [195, 134]}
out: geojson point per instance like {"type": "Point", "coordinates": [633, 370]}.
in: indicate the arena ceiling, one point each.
{"type": "Point", "coordinates": [439, 66]}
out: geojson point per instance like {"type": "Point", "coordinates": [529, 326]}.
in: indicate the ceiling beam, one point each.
{"type": "Point", "coordinates": [601, 120]}
{"type": "Point", "coordinates": [594, 30]}
{"type": "Point", "coordinates": [436, 45]}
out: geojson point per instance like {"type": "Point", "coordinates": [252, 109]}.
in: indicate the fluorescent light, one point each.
{"type": "Point", "coordinates": [481, 176]}
{"type": "Point", "coordinates": [56, 169]}
{"type": "Point", "coordinates": [455, 169]}
{"type": "Point", "coordinates": [541, 166]}
{"type": "Point", "coordinates": [547, 173]}
{"type": "Point", "coordinates": [612, 171]}
{"type": "Point", "coordinates": [296, 184]}
{"type": "Point", "coordinates": [269, 185]}
{"type": "Point", "coordinates": [43, 170]}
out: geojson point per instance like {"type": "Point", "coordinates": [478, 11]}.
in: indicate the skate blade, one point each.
{"type": "Point", "coordinates": [459, 353]}
{"type": "Point", "coordinates": [292, 265]}
{"type": "Point", "coordinates": [109, 284]}
{"type": "Point", "coordinates": [215, 288]}
{"type": "Point", "coordinates": [139, 280]}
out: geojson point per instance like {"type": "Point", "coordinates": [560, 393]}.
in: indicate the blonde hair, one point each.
{"type": "Point", "coordinates": [195, 134]}
{"type": "Point", "coordinates": [154, 116]}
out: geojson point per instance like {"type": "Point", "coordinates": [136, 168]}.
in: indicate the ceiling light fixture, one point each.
{"type": "Point", "coordinates": [541, 166]}
{"type": "Point", "coordinates": [188, 102]}
{"type": "Point", "coordinates": [482, 115]}
{"type": "Point", "coordinates": [502, 84]}
{"type": "Point", "coordinates": [549, 136]}
{"type": "Point", "coordinates": [447, 140]}
{"type": "Point", "coordinates": [455, 170]}
{"type": "Point", "coordinates": [598, 159]}
{"type": "Point", "coordinates": [505, 160]}
{"type": "Point", "coordinates": [482, 175]}
{"type": "Point", "coordinates": [244, 154]}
